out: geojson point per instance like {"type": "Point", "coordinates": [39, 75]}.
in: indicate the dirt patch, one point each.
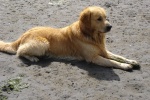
{"type": "Point", "coordinates": [55, 79]}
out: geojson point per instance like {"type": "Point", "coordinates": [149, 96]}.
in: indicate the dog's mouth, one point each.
{"type": "Point", "coordinates": [100, 31]}
{"type": "Point", "coordinates": [107, 29]}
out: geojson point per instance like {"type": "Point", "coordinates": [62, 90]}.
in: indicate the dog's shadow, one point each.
{"type": "Point", "coordinates": [95, 71]}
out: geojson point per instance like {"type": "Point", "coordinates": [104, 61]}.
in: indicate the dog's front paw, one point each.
{"type": "Point", "coordinates": [126, 67]}
{"type": "Point", "coordinates": [135, 64]}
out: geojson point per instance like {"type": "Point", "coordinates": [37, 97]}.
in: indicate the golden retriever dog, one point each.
{"type": "Point", "coordinates": [84, 39]}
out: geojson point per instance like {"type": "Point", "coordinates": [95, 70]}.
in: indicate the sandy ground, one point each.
{"type": "Point", "coordinates": [52, 79]}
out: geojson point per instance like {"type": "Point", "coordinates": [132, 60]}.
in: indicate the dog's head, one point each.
{"type": "Point", "coordinates": [93, 20]}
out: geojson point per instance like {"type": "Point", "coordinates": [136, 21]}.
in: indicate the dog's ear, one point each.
{"type": "Point", "coordinates": [85, 16]}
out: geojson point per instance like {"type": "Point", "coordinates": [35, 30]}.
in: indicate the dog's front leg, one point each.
{"type": "Point", "coordinates": [109, 63]}
{"type": "Point", "coordinates": [121, 59]}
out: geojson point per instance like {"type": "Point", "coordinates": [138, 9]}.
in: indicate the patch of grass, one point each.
{"type": "Point", "coordinates": [14, 85]}
{"type": "Point", "coordinates": [3, 97]}
{"type": "Point", "coordinates": [10, 85]}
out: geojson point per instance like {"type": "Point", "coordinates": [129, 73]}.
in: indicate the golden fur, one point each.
{"type": "Point", "coordinates": [84, 39]}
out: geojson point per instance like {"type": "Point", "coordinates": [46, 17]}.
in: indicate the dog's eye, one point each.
{"type": "Point", "coordinates": [99, 19]}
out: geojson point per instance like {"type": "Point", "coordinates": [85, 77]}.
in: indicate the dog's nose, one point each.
{"type": "Point", "coordinates": [108, 28]}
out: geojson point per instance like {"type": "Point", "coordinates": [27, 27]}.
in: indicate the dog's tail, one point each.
{"type": "Point", "coordinates": [10, 47]}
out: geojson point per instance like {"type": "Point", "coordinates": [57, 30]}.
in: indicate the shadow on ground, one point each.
{"type": "Point", "coordinates": [94, 71]}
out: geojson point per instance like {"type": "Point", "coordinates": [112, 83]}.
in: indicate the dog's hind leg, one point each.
{"type": "Point", "coordinates": [33, 48]}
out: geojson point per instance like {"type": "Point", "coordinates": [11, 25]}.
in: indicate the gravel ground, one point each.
{"type": "Point", "coordinates": [56, 79]}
